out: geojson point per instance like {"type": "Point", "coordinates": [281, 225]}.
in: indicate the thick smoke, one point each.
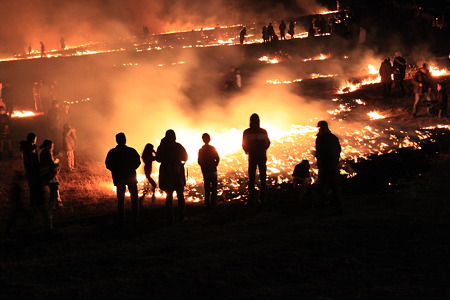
{"type": "Point", "coordinates": [26, 23]}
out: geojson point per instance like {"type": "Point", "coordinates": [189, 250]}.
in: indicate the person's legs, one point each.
{"type": "Point", "coordinates": [214, 189]}
{"type": "Point", "coordinates": [207, 188]}
{"type": "Point", "coordinates": [251, 179]}
{"type": "Point", "coordinates": [121, 202]}
{"type": "Point", "coordinates": [169, 206]}
{"type": "Point", "coordinates": [263, 179]}
{"type": "Point", "coordinates": [132, 188]}
{"type": "Point", "coordinates": [416, 101]}
{"type": "Point", "coordinates": [181, 205]}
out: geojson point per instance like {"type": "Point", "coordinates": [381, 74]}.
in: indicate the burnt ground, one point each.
{"type": "Point", "coordinates": [392, 242]}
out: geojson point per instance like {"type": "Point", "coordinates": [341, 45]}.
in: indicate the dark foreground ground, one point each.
{"type": "Point", "coordinates": [392, 245]}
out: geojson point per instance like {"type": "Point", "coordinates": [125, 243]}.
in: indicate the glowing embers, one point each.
{"type": "Point", "coordinates": [375, 115]}
{"type": "Point", "coordinates": [319, 57]}
{"type": "Point", "coordinates": [349, 87]}
{"type": "Point", "coordinates": [269, 60]}
{"type": "Point", "coordinates": [312, 76]}
{"type": "Point", "coordinates": [435, 71]}
{"type": "Point", "coordinates": [24, 114]}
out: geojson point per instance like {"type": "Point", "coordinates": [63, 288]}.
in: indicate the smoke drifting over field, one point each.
{"type": "Point", "coordinates": [26, 23]}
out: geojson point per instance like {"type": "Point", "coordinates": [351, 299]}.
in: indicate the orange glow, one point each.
{"type": "Point", "coordinates": [24, 114]}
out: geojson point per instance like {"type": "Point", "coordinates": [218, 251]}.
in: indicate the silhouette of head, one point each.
{"type": "Point", "coordinates": [323, 125]}
{"type": "Point", "coordinates": [149, 147]}
{"type": "Point", "coordinates": [206, 138]}
{"type": "Point", "coordinates": [254, 120]}
{"type": "Point", "coordinates": [2, 110]}
{"type": "Point", "coordinates": [170, 135]}
{"type": "Point", "coordinates": [47, 144]}
{"type": "Point", "coordinates": [31, 138]}
{"type": "Point", "coordinates": [121, 139]}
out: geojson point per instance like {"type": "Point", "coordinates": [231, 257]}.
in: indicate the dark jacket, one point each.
{"type": "Point", "coordinates": [421, 78]}
{"type": "Point", "coordinates": [48, 168]}
{"type": "Point", "coordinates": [399, 67]}
{"type": "Point", "coordinates": [172, 157]}
{"type": "Point", "coordinates": [208, 159]}
{"type": "Point", "coordinates": [255, 140]}
{"type": "Point", "coordinates": [385, 71]}
{"type": "Point", "coordinates": [328, 150]}
{"type": "Point", "coordinates": [123, 161]}
{"type": "Point", "coordinates": [30, 158]}
{"type": "Point", "coordinates": [442, 100]}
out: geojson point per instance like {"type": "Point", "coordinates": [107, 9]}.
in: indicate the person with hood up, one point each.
{"type": "Point", "coordinates": [328, 152]}
{"type": "Point", "coordinates": [172, 156]}
{"type": "Point", "coordinates": [255, 142]}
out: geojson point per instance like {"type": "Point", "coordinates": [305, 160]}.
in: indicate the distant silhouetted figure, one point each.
{"type": "Point", "coordinates": [172, 157]}
{"type": "Point", "coordinates": [30, 157]}
{"type": "Point", "coordinates": [399, 70]}
{"type": "Point", "coordinates": [441, 99]}
{"type": "Point", "coordinates": [55, 125]}
{"type": "Point", "coordinates": [123, 161]}
{"type": "Point", "coordinates": [145, 32]}
{"type": "Point", "coordinates": [238, 77]}
{"type": "Point", "coordinates": [49, 169]}
{"type": "Point", "coordinates": [270, 32]}
{"type": "Point", "coordinates": [328, 151]}
{"type": "Point", "coordinates": [148, 157]}
{"type": "Point", "coordinates": [208, 159]}
{"type": "Point", "coordinates": [255, 142]}
{"type": "Point", "coordinates": [5, 134]}
{"type": "Point", "coordinates": [265, 34]}
{"type": "Point", "coordinates": [242, 35]}
{"type": "Point", "coordinates": [230, 80]}
{"type": "Point", "coordinates": [8, 97]}
{"type": "Point", "coordinates": [291, 29]}
{"type": "Point", "coordinates": [282, 28]}
{"type": "Point", "coordinates": [62, 43]}
{"type": "Point", "coordinates": [69, 138]}
{"type": "Point", "coordinates": [42, 49]}
{"type": "Point", "coordinates": [386, 79]}
{"type": "Point", "coordinates": [422, 86]}
{"type": "Point", "coordinates": [302, 178]}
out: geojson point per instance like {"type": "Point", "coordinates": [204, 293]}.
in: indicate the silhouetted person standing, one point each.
{"type": "Point", "coordinates": [123, 161]}
{"type": "Point", "coordinates": [422, 86]}
{"type": "Point", "coordinates": [30, 158]}
{"type": "Point", "coordinates": [208, 159]}
{"type": "Point", "coordinates": [282, 28]}
{"type": "Point", "coordinates": [291, 29]}
{"type": "Point", "coordinates": [242, 35]}
{"type": "Point", "coordinates": [399, 70]}
{"type": "Point", "coordinates": [62, 41]}
{"type": "Point", "coordinates": [328, 151]}
{"type": "Point", "coordinates": [49, 169]}
{"type": "Point", "coordinates": [270, 32]}
{"type": "Point", "coordinates": [385, 74]}
{"type": "Point", "coordinates": [148, 157]}
{"type": "Point", "coordinates": [42, 49]}
{"type": "Point", "coordinates": [55, 125]}
{"type": "Point", "coordinates": [255, 142]}
{"type": "Point", "coordinates": [31, 165]}
{"type": "Point", "coordinates": [172, 157]}
{"type": "Point", "coordinates": [5, 134]}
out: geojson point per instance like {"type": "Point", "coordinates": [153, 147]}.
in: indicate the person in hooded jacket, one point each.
{"type": "Point", "coordinates": [328, 151]}
{"type": "Point", "coordinates": [255, 142]}
{"type": "Point", "coordinates": [172, 156]}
